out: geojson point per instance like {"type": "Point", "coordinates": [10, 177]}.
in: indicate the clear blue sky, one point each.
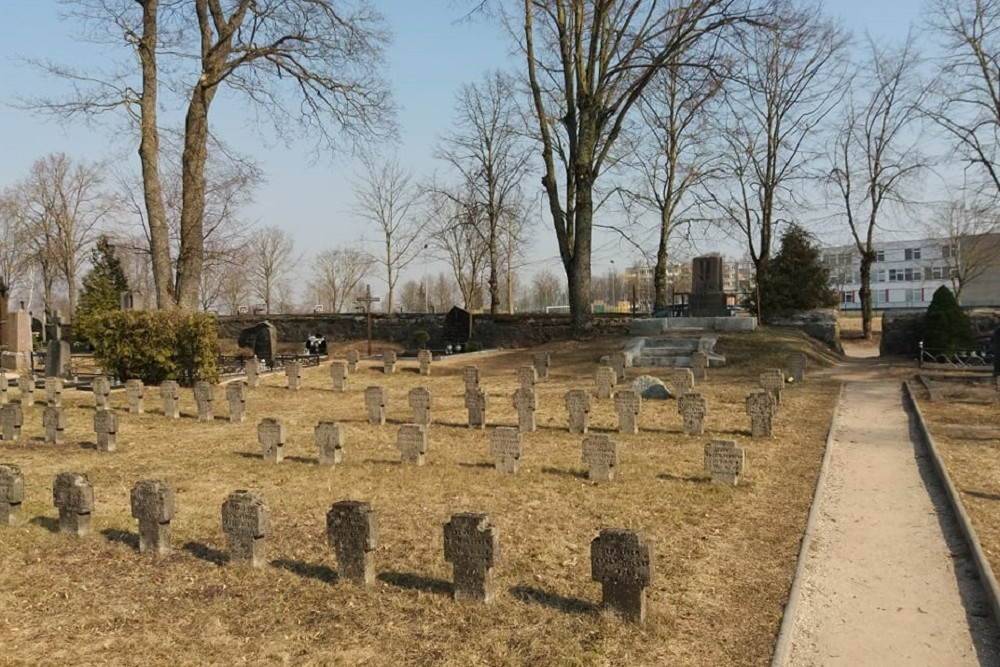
{"type": "Point", "coordinates": [431, 56]}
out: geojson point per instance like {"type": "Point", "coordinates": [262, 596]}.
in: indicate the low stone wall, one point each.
{"type": "Point", "coordinates": [901, 328]}
{"type": "Point", "coordinates": [820, 324]}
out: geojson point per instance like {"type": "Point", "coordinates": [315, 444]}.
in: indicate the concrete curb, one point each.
{"type": "Point", "coordinates": [783, 642]}
{"type": "Point", "coordinates": [983, 568]}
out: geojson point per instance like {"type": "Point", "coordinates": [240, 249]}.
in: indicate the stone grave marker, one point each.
{"type": "Point", "coordinates": [352, 532]}
{"type": "Point", "coordinates": [293, 371]}
{"type": "Point", "coordinates": [170, 393]}
{"type": "Point", "coordinates": [470, 375]}
{"type": "Point", "coordinates": [724, 461]}
{"type": "Point", "coordinates": [204, 398]}
{"type": "Point", "coordinates": [4, 386]}
{"type": "Point", "coordinates": [760, 408]}
{"type": "Point", "coordinates": [57, 351]}
{"type": "Point", "coordinates": [605, 379]}
{"type": "Point", "coordinates": [271, 438]}
{"type": "Point", "coordinates": [330, 442]}
{"type": "Point", "coordinates": [338, 375]}
{"type": "Point", "coordinates": [134, 392]}
{"type": "Point", "coordinates": [699, 365]}
{"type": "Point", "coordinates": [252, 367]}
{"type": "Point", "coordinates": [388, 362]}
{"type": "Point", "coordinates": [578, 406]}
{"type": "Point", "coordinates": [628, 404]}
{"type": "Point", "coordinates": [472, 546]}
{"type": "Point", "coordinates": [106, 428]}
{"type": "Point", "coordinates": [421, 402]}
{"type": "Point", "coordinates": [457, 328]}
{"type": "Point", "coordinates": [11, 494]}
{"type": "Point", "coordinates": [102, 388]}
{"type": "Point", "coordinates": [527, 377]}
{"type": "Point", "coordinates": [796, 363]}
{"type": "Point", "coordinates": [73, 496]}
{"type": "Point", "coordinates": [11, 420]}
{"type": "Point", "coordinates": [525, 403]}
{"type": "Point", "coordinates": [153, 506]}
{"type": "Point", "coordinates": [246, 521]}
{"type": "Point", "coordinates": [424, 358]}
{"type": "Point", "coordinates": [682, 380]}
{"type": "Point", "coordinates": [541, 362]}
{"type": "Point", "coordinates": [236, 396]}
{"type": "Point", "coordinates": [600, 453]}
{"type": "Point", "coordinates": [477, 404]}
{"type": "Point", "coordinates": [617, 361]}
{"type": "Point", "coordinates": [54, 423]}
{"type": "Point", "coordinates": [375, 402]}
{"type": "Point", "coordinates": [506, 449]}
{"type": "Point", "coordinates": [352, 356]}
{"type": "Point", "coordinates": [622, 561]}
{"type": "Point", "coordinates": [411, 441]}
{"type": "Point", "coordinates": [773, 380]}
{"type": "Point", "coordinates": [26, 385]}
{"type": "Point", "coordinates": [692, 407]}
{"type": "Point", "coordinates": [53, 391]}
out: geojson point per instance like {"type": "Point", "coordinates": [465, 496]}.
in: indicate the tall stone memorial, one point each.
{"type": "Point", "coordinates": [246, 521]}
{"type": "Point", "coordinates": [11, 494]}
{"type": "Point", "coordinates": [472, 546]}
{"type": "Point", "coordinates": [57, 351]}
{"type": "Point", "coordinates": [152, 503]}
{"type": "Point", "coordinates": [352, 531]}
{"type": "Point", "coordinates": [707, 299]}
{"type": "Point", "coordinates": [73, 496]}
{"type": "Point", "coordinates": [622, 561]}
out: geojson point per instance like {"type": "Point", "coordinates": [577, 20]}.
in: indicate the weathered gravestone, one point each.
{"type": "Point", "coordinates": [605, 379]}
{"type": "Point", "coordinates": [11, 420]}
{"type": "Point", "coordinates": [170, 393]}
{"type": "Point", "coordinates": [106, 429]}
{"type": "Point", "coordinates": [472, 546]}
{"type": "Point", "coordinates": [617, 361]}
{"type": "Point", "coordinates": [352, 357]}
{"type": "Point", "coordinates": [246, 521]}
{"type": "Point", "coordinates": [11, 494]}
{"type": "Point", "coordinates": [541, 362]}
{"type": "Point", "coordinates": [252, 368]}
{"type": "Point", "coordinates": [153, 506]}
{"type": "Point", "coordinates": [699, 365]}
{"type": "Point", "coordinates": [411, 441]}
{"type": "Point", "coordinates": [692, 407]}
{"type": "Point", "coordinates": [352, 532]}
{"type": "Point", "coordinates": [4, 387]}
{"type": "Point", "coordinates": [724, 461]}
{"type": "Point", "coordinates": [470, 375]}
{"type": "Point", "coordinates": [760, 408]}
{"type": "Point", "coordinates": [525, 404]}
{"type": "Point", "coordinates": [54, 423]}
{"type": "Point", "coordinates": [773, 380]}
{"type": "Point", "coordinates": [421, 402]}
{"type": "Point", "coordinates": [375, 403]}
{"type": "Point", "coordinates": [477, 404]}
{"type": "Point", "coordinates": [796, 362]}
{"type": "Point", "coordinates": [578, 407]}
{"type": "Point", "coordinates": [26, 385]}
{"type": "Point", "coordinates": [338, 375]}
{"type": "Point", "coordinates": [628, 405]}
{"type": "Point", "coordinates": [457, 329]}
{"type": "Point", "coordinates": [424, 358]}
{"type": "Point", "coordinates": [293, 371]}
{"type": "Point", "coordinates": [506, 449]}
{"type": "Point", "coordinates": [57, 351]}
{"type": "Point", "coordinates": [622, 561]}
{"type": "Point", "coordinates": [134, 392]}
{"type": "Point", "coordinates": [330, 442]}
{"type": "Point", "coordinates": [262, 339]}
{"type": "Point", "coordinates": [73, 496]}
{"type": "Point", "coordinates": [682, 380]}
{"type": "Point", "coordinates": [527, 377]}
{"type": "Point", "coordinates": [236, 396]}
{"type": "Point", "coordinates": [600, 453]}
{"type": "Point", "coordinates": [388, 362]}
{"type": "Point", "coordinates": [204, 398]}
{"type": "Point", "coordinates": [271, 438]}
{"type": "Point", "coordinates": [102, 388]}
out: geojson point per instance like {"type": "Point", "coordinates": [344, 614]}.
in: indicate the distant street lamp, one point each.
{"type": "Point", "coordinates": [614, 299]}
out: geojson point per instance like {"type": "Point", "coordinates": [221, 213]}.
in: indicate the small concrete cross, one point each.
{"type": "Point", "coordinates": [54, 423]}
{"type": "Point", "coordinates": [472, 546]}
{"type": "Point", "coordinates": [102, 388]}
{"type": "Point", "coordinates": [153, 505]}
{"type": "Point", "coordinates": [375, 401]}
{"type": "Point", "coordinates": [578, 407]}
{"type": "Point", "coordinates": [692, 407]}
{"type": "Point", "coordinates": [411, 441]}
{"type": "Point", "coordinates": [605, 379]}
{"type": "Point", "coordinates": [204, 398]}
{"type": "Point", "coordinates": [724, 461]}
{"type": "Point", "coordinates": [170, 393]}
{"type": "Point", "coordinates": [600, 453]}
{"type": "Point", "coordinates": [622, 561]}
{"type": "Point", "coordinates": [760, 408]}
{"type": "Point", "coordinates": [134, 392]}
{"type": "Point", "coordinates": [628, 405]}
{"type": "Point", "coordinates": [246, 521]}
{"type": "Point", "coordinates": [525, 404]}
{"type": "Point", "coordinates": [11, 494]}
{"type": "Point", "coordinates": [106, 429]}
{"type": "Point", "coordinates": [330, 442]}
{"type": "Point", "coordinates": [352, 531]}
{"type": "Point", "coordinates": [73, 496]}
{"type": "Point", "coordinates": [271, 438]}
{"type": "Point", "coordinates": [421, 402]}
{"type": "Point", "coordinates": [338, 375]}
{"type": "Point", "coordinates": [236, 396]}
{"type": "Point", "coordinates": [506, 448]}
{"type": "Point", "coordinates": [11, 420]}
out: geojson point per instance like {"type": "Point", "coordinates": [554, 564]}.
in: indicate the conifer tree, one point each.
{"type": "Point", "coordinates": [796, 279]}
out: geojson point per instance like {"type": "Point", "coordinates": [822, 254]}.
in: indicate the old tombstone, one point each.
{"type": "Point", "coordinates": [134, 392]}
{"type": "Point", "coordinates": [600, 453]}
{"type": "Point", "coordinates": [352, 532]}
{"type": "Point", "coordinates": [541, 362]}
{"type": "Point", "coordinates": [204, 398]}
{"type": "Point", "coordinates": [152, 503]}
{"type": "Point", "coordinates": [388, 362]}
{"type": "Point", "coordinates": [628, 404]}
{"type": "Point", "coordinates": [73, 496]}
{"type": "Point", "coordinates": [618, 361]}
{"type": "Point", "coordinates": [578, 407]}
{"type": "Point", "coordinates": [796, 362]}
{"type": "Point", "coordinates": [724, 461]}
{"type": "Point", "coordinates": [773, 380]}
{"type": "Point", "coordinates": [421, 402]}
{"type": "Point", "coordinates": [682, 380]}
{"type": "Point", "coordinates": [457, 329]}
{"type": "Point", "coordinates": [699, 365]}
{"type": "Point", "coordinates": [170, 393]}
{"type": "Point", "coordinates": [293, 371]}
{"type": "Point", "coordinates": [352, 357]}
{"type": "Point", "coordinates": [252, 368]}
{"type": "Point", "coordinates": [525, 404]}
{"type": "Point", "coordinates": [470, 375]}
{"type": "Point", "coordinates": [102, 388]}
{"type": "Point", "coordinates": [707, 298]}
{"type": "Point", "coordinates": [411, 441]}
{"type": "Point", "coordinates": [53, 391]}
{"type": "Point", "coordinates": [605, 379]}
{"type": "Point", "coordinates": [236, 395]}
{"type": "Point", "coordinates": [330, 442]}
{"type": "Point", "coordinates": [622, 561]}
{"type": "Point", "coordinates": [18, 342]}
{"type": "Point", "coordinates": [4, 387]}
{"type": "Point", "coordinates": [692, 407]}
{"type": "Point", "coordinates": [477, 403]}
{"type": "Point", "coordinates": [262, 339]}
{"type": "Point", "coordinates": [54, 423]}
{"type": "Point", "coordinates": [26, 385]}
{"type": "Point", "coordinates": [11, 494]}
{"type": "Point", "coordinates": [424, 358]}
{"type": "Point", "coordinates": [246, 521]}
{"type": "Point", "coordinates": [338, 375]}
{"type": "Point", "coordinates": [472, 546]}
{"type": "Point", "coordinates": [57, 351]}
{"type": "Point", "coordinates": [11, 420]}
{"type": "Point", "coordinates": [760, 408]}
{"type": "Point", "coordinates": [527, 377]}
{"type": "Point", "coordinates": [506, 449]}
{"type": "Point", "coordinates": [375, 401]}
{"type": "Point", "coordinates": [271, 438]}
{"type": "Point", "coordinates": [106, 429]}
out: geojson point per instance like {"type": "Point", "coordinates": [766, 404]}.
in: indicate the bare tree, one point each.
{"type": "Point", "coordinates": [271, 259]}
{"type": "Point", "coordinates": [442, 293]}
{"type": "Point", "coordinates": [15, 263]}
{"type": "Point", "coordinates": [547, 289]}
{"type": "Point", "coordinates": [453, 235]}
{"type": "Point", "coordinates": [337, 273]}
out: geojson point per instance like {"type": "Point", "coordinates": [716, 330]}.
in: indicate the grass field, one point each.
{"type": "Point", "coordinates": [724, 557]}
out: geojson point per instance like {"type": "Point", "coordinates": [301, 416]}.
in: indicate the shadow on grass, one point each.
{"type": "Point", "coordinates": [302, 459]}
{"type": "Point", "coordinates": [122, 537]}
{"type": "Point", "coordinates": [307, 570]}
{"type": "Point", "coordinates": [579, 474]}
{"type": "Point", "coordinates": [387, 462]}
{"type": "Point", "coordinates": [86, 444]}
{"type": "Point", "coordinates": [206, 553]}
{"type": "Point", "coordinates": [416, 582]}
{"type": "Point", "coordinates": [47, 522]}
{"type": "Point", "coordinates": [982, 494]}
{"type": "Point", "coordinates": [477, 465]}
{"type": "Point", "coordinates": [546, 599]}
{"type": "Point", "coordinates": [681, 478]}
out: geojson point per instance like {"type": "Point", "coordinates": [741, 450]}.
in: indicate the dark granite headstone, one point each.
{"type": "Point", "coordinates": [457, 326]}
{"type": "Point", "coordinates": [707, 298]}
{"type": "Point", "coordinates": [262, 339]}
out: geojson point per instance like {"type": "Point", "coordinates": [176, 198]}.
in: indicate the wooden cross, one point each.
{"type": "Point", "coordinates": [368, 300]}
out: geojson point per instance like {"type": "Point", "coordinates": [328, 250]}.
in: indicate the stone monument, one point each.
{"type": "Point", "coordinates": [622, 561]}
{"type": "Point", "coordinates": [246, 521]}
{"type": "Point", "coordinates": [153, 505]}
{"type": "Point", "coordinates": [472, 546]}
{"type": "Point", "coordinates": [352, 532]}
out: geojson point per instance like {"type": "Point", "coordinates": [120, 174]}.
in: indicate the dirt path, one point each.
{"type": "Point", "coordinates": [887, 581]}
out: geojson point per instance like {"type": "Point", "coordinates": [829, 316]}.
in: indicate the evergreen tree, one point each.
{"type": "Point", "coordinates": [946, 326]}
{"type": "Point", "coordinates": [102, 287]}
{"type": "Point", "coordinates": [796, 278]}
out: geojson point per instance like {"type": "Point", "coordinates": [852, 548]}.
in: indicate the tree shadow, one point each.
{"type": "Point", "coordinates": [477, 465]}
{"type": "Point", "coordinates": [308, 570]}
{"type": "Point", "coordinates": [579, 474]}
{"type": "Point", "coordinates": [569, 605]}
{"type": "Point", "coordinates": [48, 523]}
{"type": "Point", "coordinates": [681, 478]}
{"type": "Point", "coordinates": [416, 582]}
{"type": "Point", "coordinates": [982, 494]}
{"type": "Point", "coordinates": [250, 455]}
{"type": "Point", "coordinates": [302, 459]}
{"type": "Point", "coordinates": [388, 462]}
{"type": "Point", "coordinates": [206, 553]}
{"type": "Point", "coordinates": [125, 537]}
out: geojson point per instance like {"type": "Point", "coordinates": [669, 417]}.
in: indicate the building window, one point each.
{"type": "Point", "coordinates": [879, 296]}
{"type": "Point", "coordinates": [908, 274]}
{"type": "Point", "coordinates": [937, 273]}
{"type": "Point", "coordinates": [880, 255]}
{"type": "Point", "coordinates": [847, 297]}
{"type": "Point", "coordinates": [946, 252]}
{"type": "Point", "coordinates": [880, 275]}
{"type": "Point", "coordinates": [914, 295]}
{"type": "Point", "coordinates": [912, 254]}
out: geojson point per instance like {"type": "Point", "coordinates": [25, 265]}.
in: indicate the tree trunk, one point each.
{"type": "Point", "coordinates": [866, 294]}
{"type": "Point", "coordinates": [578, 264]}
{"type": "Point", "coordinates": [660, 274]}
{"type": "Point", "coordinates": [191, 254]}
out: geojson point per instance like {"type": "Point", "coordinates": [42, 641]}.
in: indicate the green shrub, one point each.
{"type": "Point", "coordinates": [946, 326]}
{"type": "Point", "coordinates": [421, 338]}
{"type": "Point", "coordinates": [473, 346]}
{"type": "Point", "coordinates": [155, 345]}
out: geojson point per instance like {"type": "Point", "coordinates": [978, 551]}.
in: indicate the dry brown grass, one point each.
{"type": "Point", "coordinates": [724, 557]}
